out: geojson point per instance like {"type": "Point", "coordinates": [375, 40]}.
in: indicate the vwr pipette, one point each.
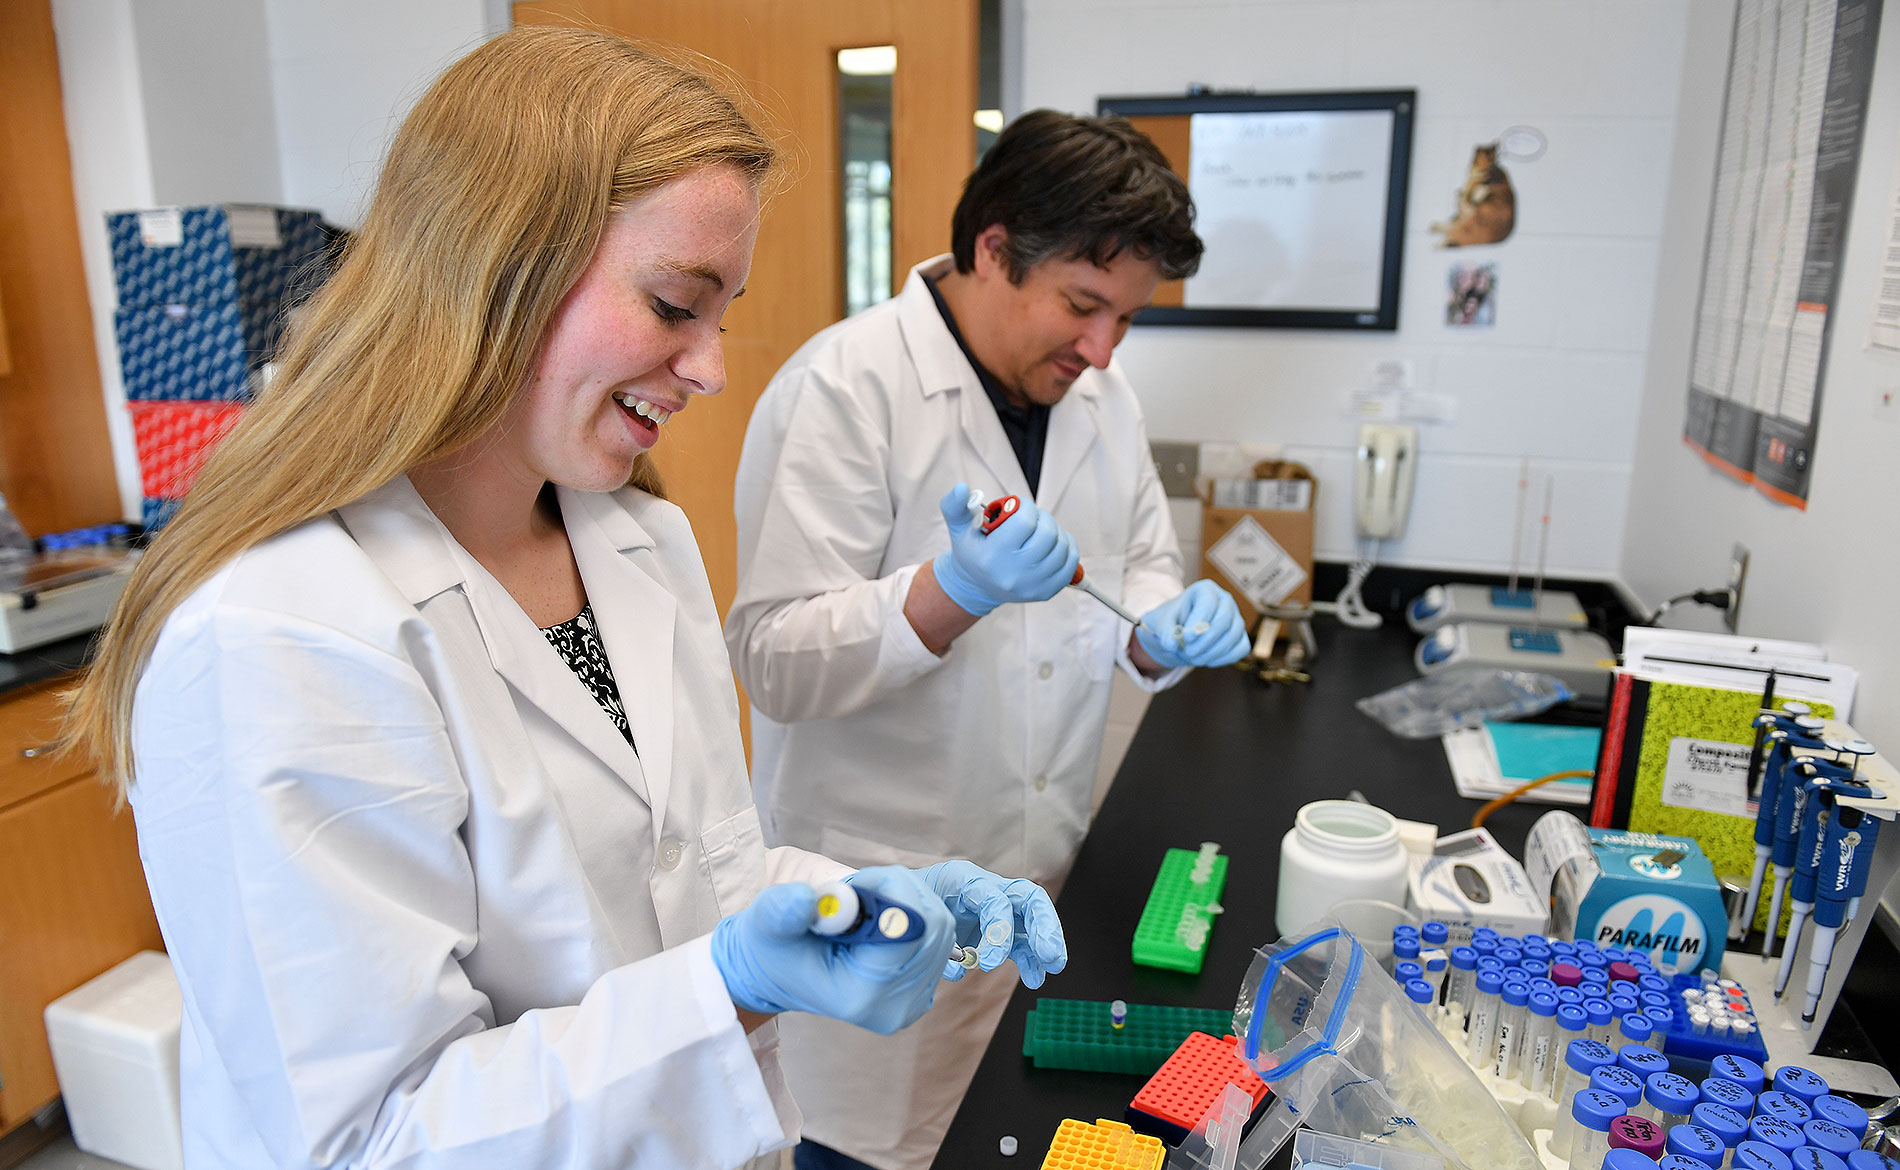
{"type": "Point", "coordinates": [1788, 815]}
{"type": "Point", "coordinates": [995, 512]}
{"type": "Point", "coordinates": [849, 915]}
{"type": "Point", "coordinates": [1783, 731]}
{"type": "Point", "coordinates": [1824, 780]}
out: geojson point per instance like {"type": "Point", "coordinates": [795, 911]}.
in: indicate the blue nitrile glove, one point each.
{"type": "Point", "coordinates": [979, 898]}
{"type": "Point", "coordinates": [1222, 643]}
{"type": "Point", "coordinates": [1028, 558]}
{"type": "Point", "coordinates": [772, 962]}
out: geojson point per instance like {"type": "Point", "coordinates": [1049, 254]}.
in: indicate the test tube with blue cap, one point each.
{"type": "Point", "coordinates": [1804, 1084]}
{"type": "Point", "coordinates": [1581, 1059]}
{"type": "Point", "coordinates": [1483, 1030]}
{"type": "Point", "coordinates": [1458, 989]}
{"type": "Point", "coordinates": [1668, 1097]}
{"type": "Point", "coordinates": [1614, 1078]}
{"type": "Point", "coordinates": [1513, 1018]}
{"type": "Point", "coordinates": [1540, 1039]}
{"type": "Point", "coordinates": [1600, 1014]}
{"type": "Point", "coordinates": [1692, 1141]}
{"type": "Point", "coordinates": [1826, 1135]}
{"type": "Point", "coordinates": [1787, 1107]}
{"type": "Point", "coordinates": [1728, 1124]}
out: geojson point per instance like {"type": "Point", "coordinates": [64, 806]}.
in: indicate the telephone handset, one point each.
{"type": "Point", "coordinates": [1382, 480]}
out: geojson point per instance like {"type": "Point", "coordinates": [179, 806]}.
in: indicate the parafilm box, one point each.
{"type": "Point", "coordinates": [1646, 893]}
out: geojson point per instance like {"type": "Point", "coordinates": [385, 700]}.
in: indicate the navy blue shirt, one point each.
{"type": "Point", "coordinates": [1026, 426]}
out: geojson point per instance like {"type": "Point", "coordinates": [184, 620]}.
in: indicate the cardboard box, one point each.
{"type": "Point", "coordinates": [1643, 892]}
{"type": "Point", "coordinates": [211, 255]}
{"type": "Point", "coordinates": [1470, 881]}
{"type": "Point", "coordinates": [1263, 556]}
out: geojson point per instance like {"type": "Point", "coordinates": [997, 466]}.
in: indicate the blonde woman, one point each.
{"type": "Point", "coordinates": [421, 703]}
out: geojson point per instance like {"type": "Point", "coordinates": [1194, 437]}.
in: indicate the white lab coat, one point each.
{"type": "Point", "coordinates": [427, 907]}
{"type": "Point", "coordinates": [866, 746]}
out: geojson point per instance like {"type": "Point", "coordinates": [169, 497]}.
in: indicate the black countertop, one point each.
{"type": "Point", "coordinates": [1221, 757]}
{"type": "Point", "coordinates": [44, 662]}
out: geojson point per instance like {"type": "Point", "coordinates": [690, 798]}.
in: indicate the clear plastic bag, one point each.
{"type": "Point", "coordinates": [1346, 1053]}
{"type": "Point", "coordinates": [1462, 696]}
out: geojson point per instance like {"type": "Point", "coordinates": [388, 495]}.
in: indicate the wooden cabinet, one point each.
{"type": "Point", "coordinates": [72, 894]}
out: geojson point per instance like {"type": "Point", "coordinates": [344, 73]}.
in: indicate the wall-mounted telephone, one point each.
{"type": "Point", "coordinates": [1382, 479]}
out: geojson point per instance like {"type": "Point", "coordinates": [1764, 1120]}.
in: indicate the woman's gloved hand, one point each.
{"type": "Point", "coordinates": [1003, 918]}
{"type": "Point", "coordinates": [1201, 626]}
{"type": "Point", "coordinates": [1028, 558]}
{"type": "Point", "coordinates": [772, 962]}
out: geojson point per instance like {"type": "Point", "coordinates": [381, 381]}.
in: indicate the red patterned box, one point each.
{"type": "Point", "coordinates": [173, 439]}
{"type": "Point", "coordinates": [1175, 1099]}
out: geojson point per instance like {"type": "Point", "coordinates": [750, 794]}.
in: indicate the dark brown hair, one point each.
{"type": "Point", "coordinates": [1072, 188]}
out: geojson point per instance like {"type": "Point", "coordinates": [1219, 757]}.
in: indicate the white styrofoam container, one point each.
{"type": "Point", "coordinates": [115, 1050]}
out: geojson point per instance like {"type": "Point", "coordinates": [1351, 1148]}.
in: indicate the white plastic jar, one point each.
{"type": "Point", "coordinates": [1337, 850]}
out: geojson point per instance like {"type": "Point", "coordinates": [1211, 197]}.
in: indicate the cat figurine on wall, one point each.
{"type": "Point", "coordinates": [1487, 207]}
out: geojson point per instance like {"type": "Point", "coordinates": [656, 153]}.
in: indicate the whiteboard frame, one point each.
{"type": "Point", "coordinates": [1401, 103]}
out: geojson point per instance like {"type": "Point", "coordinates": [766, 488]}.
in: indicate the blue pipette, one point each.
{"type": "Point", "coordinates": [1824, 780]}
{"type": "Point", "coordinates": [1863, 863]}
{"type": "Point", "coordinates": [1780, 730]}
{"type": "Point", "coordinates": [1788, 815]}
{"type": "Point", "coordinates": [1838, 852]}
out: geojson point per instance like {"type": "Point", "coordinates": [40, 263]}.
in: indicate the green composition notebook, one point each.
{"type": "Point", "coordinates": [1690, 769]}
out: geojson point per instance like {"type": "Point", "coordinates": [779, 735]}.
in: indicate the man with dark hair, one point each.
{"type": "Point", "coordinates": [924, 690]}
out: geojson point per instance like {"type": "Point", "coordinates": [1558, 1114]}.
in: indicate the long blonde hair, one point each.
{"type": "Point", "coordinates": [490, 204]}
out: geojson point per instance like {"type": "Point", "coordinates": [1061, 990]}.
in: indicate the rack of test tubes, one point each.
{"type": "Point", "coordinates": [1612, 1061]}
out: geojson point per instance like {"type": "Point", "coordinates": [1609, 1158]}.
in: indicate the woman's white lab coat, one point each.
{"type": "Point", "coordinates": [866, 746]}
{"type": "Point", "coordinates": [427, 907]}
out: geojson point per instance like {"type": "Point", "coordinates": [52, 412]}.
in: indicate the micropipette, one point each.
{"type": "Point", "coordinates": [849, 915]}
{"type": "Point", "coordinates": [1788, 817]}
{"type": "Point", "coordinates": [1830, 905]}
{"type": "Point", "coordinates": [1824, 780]}
{"type": "Point", "coordinates": [1773, 729]}
{"type": "Point", "coordinates": [995, 512]}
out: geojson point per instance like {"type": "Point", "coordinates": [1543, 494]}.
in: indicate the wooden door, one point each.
{"type": "Point", "coordinates": [786, 52]}
{"type": "Point", "coordinates": [55, 460]}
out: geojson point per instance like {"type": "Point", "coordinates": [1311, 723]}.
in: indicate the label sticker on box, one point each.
{"type": "Point", "coordinates": [253, 227]}
{"type": "Point", "coordinates": [1256, 564]}
{"type": "Point", "coordinates": [1273, 495]}
{"type": "Point", "coordinates": [164, 228]}
{"type": "Point", "coordinates": [1707, 774]}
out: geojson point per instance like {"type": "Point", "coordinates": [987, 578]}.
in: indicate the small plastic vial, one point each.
{"type": "Point", "coordinates": [1838, 1140]}
{"type": "Point", "coordinates": [1660, 1020]}
{"type": "Point", "coordinates": [1435, 933]}
{"type": "Point", "coordinates": [1624, 1158]}
{"type": "Point", "coordinates": [1458, 988]}
{"type": "Point", "coordinates": [1796, 1081]}
{"type": "Point", "coordinates": [1685, 1162]}
{"type": "Point", "coordinates": [1118, 1014]}
{"type": "Point", "coordinates": [1561, 948]}
{"type": "Point", "coordinates": [1623, 1003]}
{"type": "Point", "coordinates": [1783, 1135]}
{"type": "Point", "coordinates": [1741, 1070]}
{"type": "Point", "coordinates": [1512, 1019]}
{"type": "Point", "coordinates": [1842, 1112]}
{"type": "Point", "coordinates": [1754, 1155]}
{"type": "Point", "coordinates": [1540, 1043]}
{"type": "Point", "coordinates": [1590, 1116]}
{"type": "Point", "coordinates": [1573, 996]}
{"type": "Point", "coordinates": [1725, 1123]}
{"type": "Point", "coordinates": [1600, 1016]}
{"type": "Point", "coordinates": [1633, 1028]}
{"type": "Point", "coordinates": [1007, 1146]}
{"type": "Point", "coordinates": [1637, 1133]}
{"type": "Point", "coordinates": [1692, 1141]}
{"type": "Point", "coordinates": [1668, 1098]}
{"type": "Point", "coordinates": [1582, 1057]}
{"type": "Point", "coordinates": [1483, 1031]}
{"type": "Point", "coordinates": [1406, 970]}
{"type": "Point", "coordinates": [1622, 1082]}
{"type": "Point", "coordinates": [1790, 1109]}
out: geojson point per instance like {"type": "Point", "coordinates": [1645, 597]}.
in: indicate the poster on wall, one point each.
{"type": "Point", "coordinates": [1798, 79]}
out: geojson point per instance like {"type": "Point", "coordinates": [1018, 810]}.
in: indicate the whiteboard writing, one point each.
{"type": "Point", "coordinates": [1291, 207]}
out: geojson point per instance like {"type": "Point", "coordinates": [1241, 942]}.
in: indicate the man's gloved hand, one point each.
{"type": "Point", "coordinates": [1028, 558]}
{"type": "Point", "coordinates": [1199, 627]}
{"type": "Point", "coordinates": [772, 962]}
{"type": "Point", "coordinates": [1003, 918]}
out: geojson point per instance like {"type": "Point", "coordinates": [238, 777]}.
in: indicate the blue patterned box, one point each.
{"type": "Point", "coordinates": [202, 353]}
{"type": "Point", "coordinates": [155, 512]}
{"type": "Point", "coordinates": [202, 255]}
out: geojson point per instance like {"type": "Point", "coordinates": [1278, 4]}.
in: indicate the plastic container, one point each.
{"type": "Point", "coordinates": [1637, 1133]}
{"type": "Point", "coordinates": [1684, 1162]}
{"type": "Point", "coordinates": [1728, 1093]}
{"type": "Point", "coordinates": [115, 1051]}
{"type": "Point", "coordinates": [1624, 1158]}
{"type": "Point", "coordinates": [1616, 1079]}
{"type": "Point", "coordinates": [1435, 933]}
{"type": "Point", "coordinates": [1843, 1113]}
{"type": "Point", "coordinates": [1633, 1028]}
{"type": "Point", "coordinates": [1582, 1058]}
{"type": "Point", "coordinates": [1668, 1098]}
{"type": "Point", "coordinates": [1338, 850]}
{"type": "Point", "coordinates": [1482, 1034]}
{"type": "Point", "coordinates": [1741, 1070]}
{"type": "Point", "coordinates": [1789, 1108]}
{"type": "Point", "coordinates": [1406, 970]}
{"type": "Point", "coordinates": [1726, 1124]}
{"type": "Point", "coordinates": [1838, 1140]}
{"type": "Point", "coordinates": [1513, 1018]}
{"type": "Point", "coordinates": [1692, 1141]}
{"type": "Point", "coordinates": [1590, 1116]}
{"type": "Point", "coordinates": [1573, 997]}
{"type": "Point", "coordinates": [1815, 1158]}
{"type": "Point", "coordinates": [1600, 1015]}
{"type": "Point", "coordinates": [1644, 1061]}
{"type": "Point", "coordinates": [1753, 1155]}
{"type": "Point", "coordinates": [1785, 1136]}
{"type": "Point", "coordinates": [1458, 988]}
{"type": "Point", "coordinates": [1796, 1081]}
{"type": "Point", "coordinates": [1540, 1043]}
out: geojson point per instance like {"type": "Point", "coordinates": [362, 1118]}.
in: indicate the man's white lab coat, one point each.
{"type": "Point", "coordinates": [427, 907]}
{"type": "Point", "coordinates": [866, 746]}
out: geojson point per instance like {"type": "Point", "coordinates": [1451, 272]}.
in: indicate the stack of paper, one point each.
{"type": "Point", "coordinates": [1490, 760]}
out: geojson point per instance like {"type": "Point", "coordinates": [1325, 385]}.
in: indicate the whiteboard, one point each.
{"type": "Point", "coordinates": [1299, 200]}
{"type": "Point", "coordinates": [1282, 201]}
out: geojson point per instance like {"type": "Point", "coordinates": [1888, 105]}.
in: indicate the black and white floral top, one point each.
{"type": "Point", "coordinates": [579, 644]}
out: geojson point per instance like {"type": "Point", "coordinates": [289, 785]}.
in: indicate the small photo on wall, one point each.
{"type": "Point", "coordinates": [1472, 296]}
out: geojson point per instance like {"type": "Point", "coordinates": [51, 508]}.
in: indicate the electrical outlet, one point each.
{"type": "Point", "coordinates": [1737, 573]}
{"type": "Point", "coordinates": [1177, 464]}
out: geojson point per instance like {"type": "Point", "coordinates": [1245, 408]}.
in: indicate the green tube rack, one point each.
{"type": "Point", "coordinates": [1180, 913]}
{"type": "Point", "coordinates": [1076, 1034]}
